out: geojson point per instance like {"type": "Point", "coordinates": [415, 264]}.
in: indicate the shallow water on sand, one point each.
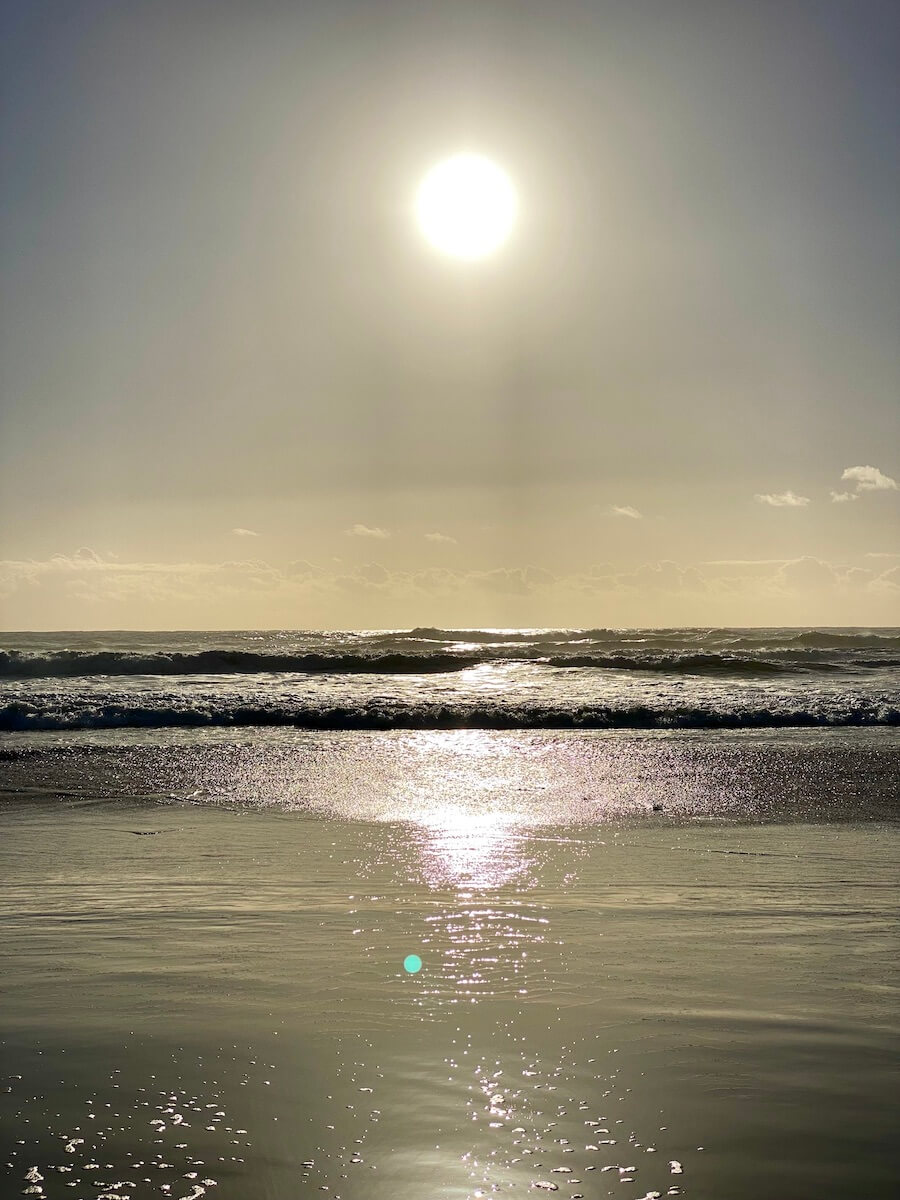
{"type": "Point", "coordinates": [626, 1002]}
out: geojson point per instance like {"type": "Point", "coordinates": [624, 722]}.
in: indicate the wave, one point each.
{"type": "Point", "coordinates": [69, 663]}
{"type": "Point", "coordinates": [496, 637]}
{"type": "Point", "coordinates": [692, 664]}
{"type": "Point", "coordinates": [845, 641]}
{"type": "Point", "coordinates": [820, 639]}
{"type": "Point", "coordinates": [23, 716]}
{"type": "Point", "coordinates": [693, 637]}
{"type": "Point", "coordinates": [64, 664]}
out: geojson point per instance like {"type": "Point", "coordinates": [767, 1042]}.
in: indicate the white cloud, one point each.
{"type": "Point", "coordinates": [786, 499]}
{"type": "Point", "coordinates": [625, 510]}
{"type": "Point", "coordinates": [843, 497]}
{"type": "Point", "coordinates": [870, 479]}
{"type": "Point", "coordinates": [440, 537]}
{"type": "Point", "coordinates": [241, 532]}
{"type": "Point", "coordinates": [365, 531]}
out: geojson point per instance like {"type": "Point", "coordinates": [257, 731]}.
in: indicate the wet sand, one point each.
{"type": "Point", "coordinates": [199, 997]}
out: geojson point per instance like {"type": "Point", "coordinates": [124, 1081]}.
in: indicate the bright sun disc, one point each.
{"type": "Point", "coordinates": [466, 206]}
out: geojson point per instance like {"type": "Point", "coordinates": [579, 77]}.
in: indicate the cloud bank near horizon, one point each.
{"type": "Point", "coordinates": [91, 591]}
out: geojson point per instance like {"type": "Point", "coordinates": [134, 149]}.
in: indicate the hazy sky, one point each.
{"type": "Point", "coordinates": [239, 388]}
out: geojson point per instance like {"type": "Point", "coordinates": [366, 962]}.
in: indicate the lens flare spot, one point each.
{"type": "Point", "coordinates": [412, 964]}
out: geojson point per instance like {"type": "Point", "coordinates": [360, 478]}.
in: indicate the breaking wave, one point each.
{"type": "Point", "coordinates": [67, 664]}
{"type": "Point", "coordinates": [22, 716]}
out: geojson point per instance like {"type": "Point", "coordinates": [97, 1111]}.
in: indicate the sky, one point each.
{"type": "Point", "coordinates": [238, 388]}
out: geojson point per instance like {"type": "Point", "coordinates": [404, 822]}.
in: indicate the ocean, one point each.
{"type": "Point", "coordinates": [436, 678]}
{"type": "Point", "coordinates": [650, 877]}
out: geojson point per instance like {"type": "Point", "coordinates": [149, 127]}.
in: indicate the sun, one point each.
{"type": "Point", "coordinates": [466, 206]}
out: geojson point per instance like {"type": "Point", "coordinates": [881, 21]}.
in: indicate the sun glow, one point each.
{"type": "Point", "coordinates": [466, 206]}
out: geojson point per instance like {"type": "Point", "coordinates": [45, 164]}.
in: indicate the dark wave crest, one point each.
{"type": "Point", "coordinates": [67, 664]}
{"type": "Point", "coordinates": [70, 663]}
{"type": "Point", "coordinates": [23, 716]}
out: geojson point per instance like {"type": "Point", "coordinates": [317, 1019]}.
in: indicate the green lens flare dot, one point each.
{"type": "Point", "coordinates": [412, 963]}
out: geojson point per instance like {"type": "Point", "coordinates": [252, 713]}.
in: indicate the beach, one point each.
{"type": "Point", "coordinates": [652, 963]}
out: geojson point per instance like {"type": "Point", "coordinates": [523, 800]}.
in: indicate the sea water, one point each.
{"type": "Point", "coordinates": [658, 956]}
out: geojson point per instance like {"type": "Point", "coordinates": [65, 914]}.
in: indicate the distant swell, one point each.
{"type": "Point", "coordinates": [72, 663]}
{"type": "Point", "coordinates": [22, 716]}
{"type": "Point", "coordinates": [661, 639]}
{"type": "Point", "coordinates": [822, 639]}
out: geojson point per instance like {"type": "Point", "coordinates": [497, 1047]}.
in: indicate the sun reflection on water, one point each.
{"type": "Point", "coordinates": [475, 855]}
{"type": "Point", "coordinates": [472, 851]}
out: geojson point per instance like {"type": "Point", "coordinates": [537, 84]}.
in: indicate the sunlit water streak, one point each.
{"type": "Point", "coordinates": [626, 989]}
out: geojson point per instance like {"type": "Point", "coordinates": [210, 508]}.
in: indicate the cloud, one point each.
{"type": "Point", "coordinates": [373, 573]}
{"type": "Point", "coordinates": [625, 510]}
{"type": "Point", "coordinates": [808, 574]}
{"type": "Point", "coordinates": [730, 565]}
{"type": "Point", "coordinates": [665, 576]}
{"type": "Point", "coordinates": [843, 497]}
{"type": "Point", "coordinates": [300, 568]}
{"type": "Point", "coordinates": [365, 531]}
{"type": "Point", "coordinates": [241, 532]}
{"type": "Point", "coordinates": [91, 592]}
{"type": "Point", "coordinates": [870, 479]}
{"type": "Point", "coordinates": [440, 537]}
{"type": "Point", "coordinates": [516, 581]}
{"type": "Point", "coordinates": [786, 499]}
